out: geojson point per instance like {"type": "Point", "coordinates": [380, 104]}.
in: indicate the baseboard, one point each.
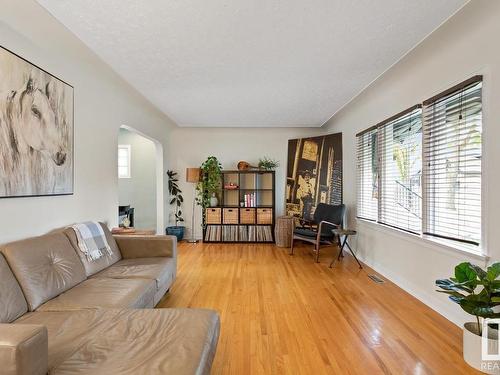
{"type": "Point", "coordinates": [451, 312]}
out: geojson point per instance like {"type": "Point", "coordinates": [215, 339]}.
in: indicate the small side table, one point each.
{"type": "Point", "coordinates": [346, 233]}
{"type": "Point", "coordinates": [133, 232]}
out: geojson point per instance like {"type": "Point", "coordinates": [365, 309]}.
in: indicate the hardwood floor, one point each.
{"type": "Point", "coordinates": [286, 314]}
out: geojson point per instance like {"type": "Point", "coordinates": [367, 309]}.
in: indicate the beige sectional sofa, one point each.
{"type": "Point", "coordinates": [60, 314]}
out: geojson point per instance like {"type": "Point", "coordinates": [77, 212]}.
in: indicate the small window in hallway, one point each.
{"type": "Point", "coordinates": [124, 161]}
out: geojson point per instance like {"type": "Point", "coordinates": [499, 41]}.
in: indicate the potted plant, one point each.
{"type": "Point", "coordinates": [176, 199]}
{"type": "Point", "coordinates": [210, 182]}
{"type": "Point", "coordinates": [268, 164]}
{"type": "Point", "coordinates": [478, 293]}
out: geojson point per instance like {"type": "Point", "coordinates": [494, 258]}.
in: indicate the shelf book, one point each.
{"type": "Point", "coordinates": [246, 211]}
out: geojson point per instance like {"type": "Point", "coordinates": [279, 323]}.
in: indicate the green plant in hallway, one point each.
{"type": "Point", "coordinates": [176, 200]}
{"type": "Point", "coordinates": [210, 182]}
{"type": "Point", "coordinates": [268, 164]}
{"type": "Point", "coordinates": [477, 291]}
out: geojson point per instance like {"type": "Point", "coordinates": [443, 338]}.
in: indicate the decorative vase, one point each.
{"type": "Point", "coordinates": [126, 222]}
{"type": "Point", "coordinates": [245, 166]}
{"type": "Point", "coordinates": [472, 349]}
{"type": "Point", "coordinates": [213, 200]}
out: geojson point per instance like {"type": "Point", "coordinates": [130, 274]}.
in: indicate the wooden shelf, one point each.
{"type": "Point", "coordinates": [248, 189]}
{"type": "Point", "coordinates": [255, 171]}
{"type": "Point", "coordinates": [234, 206]}
{"type": "Point", "coordinates": [216, 231]}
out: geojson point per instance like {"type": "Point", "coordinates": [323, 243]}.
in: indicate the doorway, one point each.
{"type": "Point", "coordinates": [140, 178]}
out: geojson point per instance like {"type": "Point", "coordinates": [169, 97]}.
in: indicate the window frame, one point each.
{"type": "Point", "coordinates": [453, 90]}
{"type": "Point", "coordinates": [373, 144]}
{"type": "Point", "coordinates": [129, 159]}
{"type": "Point", "coordinates": [478, 251]}
{"type": "Point", "coordinates": [380, 129]}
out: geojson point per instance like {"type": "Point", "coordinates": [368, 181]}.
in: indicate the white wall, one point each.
{"type": "Point", "coordinates": [103, 102]}
{"type": "Point", "coordinates": [139, 191]}
{"type": "Point", "coordinates": [464, 46]}
{"type": "Point", "coordinates": [191, 146]}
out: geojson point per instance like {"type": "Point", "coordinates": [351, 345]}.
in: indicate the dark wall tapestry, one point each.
{"type": "Point", "coordinates": [314, 174]}
{"type": "Point", "coordinates": [36, 130]}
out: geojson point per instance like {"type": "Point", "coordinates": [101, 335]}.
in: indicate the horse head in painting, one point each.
{"type": "Point", "coordinates": [30, 137]}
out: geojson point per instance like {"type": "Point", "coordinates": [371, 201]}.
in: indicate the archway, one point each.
{"type": "Point", "coordinates": [143, 187]}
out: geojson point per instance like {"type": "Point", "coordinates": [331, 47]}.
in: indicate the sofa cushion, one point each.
{"type": "Point", "coordinates": [105, 261]}
{"type": "Point", "coordinates": [67, 330]}
{"type": "Point", "coordinates": [162, 270]}
{"type": "Point", "coordinates": [105, 293]}
{"type": "Point", "coordinates": [146, 246]}
{"type": "Point", "coordinates": [158, 341]}
{"type": "Point", "coordinates": [44, 266]}
{"type": "Point", "coordinates": [12, 301]}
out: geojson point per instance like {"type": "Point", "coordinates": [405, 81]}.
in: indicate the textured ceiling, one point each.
{"type": "Point", "coordinates": [251, 62]}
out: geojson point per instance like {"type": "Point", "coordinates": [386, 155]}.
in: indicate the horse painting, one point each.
{"type": "Point", "coordinates": [36, 130]}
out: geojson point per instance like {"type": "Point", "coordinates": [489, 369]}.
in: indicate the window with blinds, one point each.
{"type": "Point", "coordinates": [452, 126]}
{"type": "Point", "coordinates": [367, 178]}
{"type": "Point", "coordinates": [420, 170]}
{"type": "Point", "coordinates": [400, 170]}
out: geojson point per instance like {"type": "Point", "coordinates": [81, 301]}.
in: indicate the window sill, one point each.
{"type": "Point", "coordinates": [447, 245]}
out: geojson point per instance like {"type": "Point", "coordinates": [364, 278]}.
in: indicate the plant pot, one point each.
{"type": "Point", "coordinates": [213, 200]}
{"type": "Point", "coordinates": [176, 231]}
{"type": "Point", "coordinates": [473, 351]}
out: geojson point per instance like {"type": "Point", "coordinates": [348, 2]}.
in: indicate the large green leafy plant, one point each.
{"type": "Point", "coordinates": [476, 291]}
{"type": "Point", "coordinates": [210, 182]}
{"type": "Point", "coordinates": [175, 195]}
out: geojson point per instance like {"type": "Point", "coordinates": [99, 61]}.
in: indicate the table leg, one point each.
{"type": "Point", "coordinates": [345, 243]}
{"type": "Point", "coordinates": [354, 255]}
{"type": "Point", "coordinates": [341, 252]}
{"type": "Point", "coordinates": [341, 248]}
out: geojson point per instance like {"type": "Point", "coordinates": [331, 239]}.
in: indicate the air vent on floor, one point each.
{"type": "Point", "coordinates": [377, 279]}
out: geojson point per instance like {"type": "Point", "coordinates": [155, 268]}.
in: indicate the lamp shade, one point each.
{"type": "Point", "coordinates": [193, 174]}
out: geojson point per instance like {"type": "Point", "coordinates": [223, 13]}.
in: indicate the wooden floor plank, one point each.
{"type": "Point", "coordinates": [284, 314]}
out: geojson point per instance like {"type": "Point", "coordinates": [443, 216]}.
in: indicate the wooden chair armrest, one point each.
{"type": "Point", "coordinates": [320, 227]}
{"type": "Point", "coordinates": [324, 222]}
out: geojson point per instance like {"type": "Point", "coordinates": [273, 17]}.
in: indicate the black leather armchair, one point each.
{"type": "Point", "coordinates": [319, 230]}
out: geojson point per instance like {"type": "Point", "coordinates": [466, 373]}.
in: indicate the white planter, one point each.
{"type": "Point", "coordinates": [472, 349]}
{"type": "Point", "coordinates": [213, 200]}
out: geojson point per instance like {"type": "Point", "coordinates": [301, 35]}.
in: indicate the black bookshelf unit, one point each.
{"type": "Point", "coordinates": [246, 209]}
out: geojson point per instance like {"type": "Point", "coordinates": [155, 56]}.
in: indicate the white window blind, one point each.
{"type": "Point", "coordinates": [367, 181]}
{"type": "Point", "coordinates": [452, 128]}
{"type": "Point", "coordinates": [400, 170]}
{"type": "Point", "coordinates": [124, 161]}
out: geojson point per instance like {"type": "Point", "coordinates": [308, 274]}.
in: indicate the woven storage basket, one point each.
{"type": "Point", "coordinates": [264, 215]}
{"type": "Point", "coordinates": [247, 215]}
{"type": "Point", "coordinates": [230, 216]}
{"type": "Point", "coordinates": [213, 216]}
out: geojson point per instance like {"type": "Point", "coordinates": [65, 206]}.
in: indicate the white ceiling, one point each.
{"type": "Point", "coordinates": [251, 62]}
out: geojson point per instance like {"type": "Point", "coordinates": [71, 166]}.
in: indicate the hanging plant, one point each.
{"type": "Point", "coordinates": [211, 173]}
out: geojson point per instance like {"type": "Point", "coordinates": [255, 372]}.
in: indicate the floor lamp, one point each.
{"type": "Point", "coordinates": [193, 176]}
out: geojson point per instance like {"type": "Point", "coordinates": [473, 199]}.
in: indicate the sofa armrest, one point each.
{"type": "Point", "coordinates": [147, 246]}
{"type": "Point", "coordinates": [24, 349]}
